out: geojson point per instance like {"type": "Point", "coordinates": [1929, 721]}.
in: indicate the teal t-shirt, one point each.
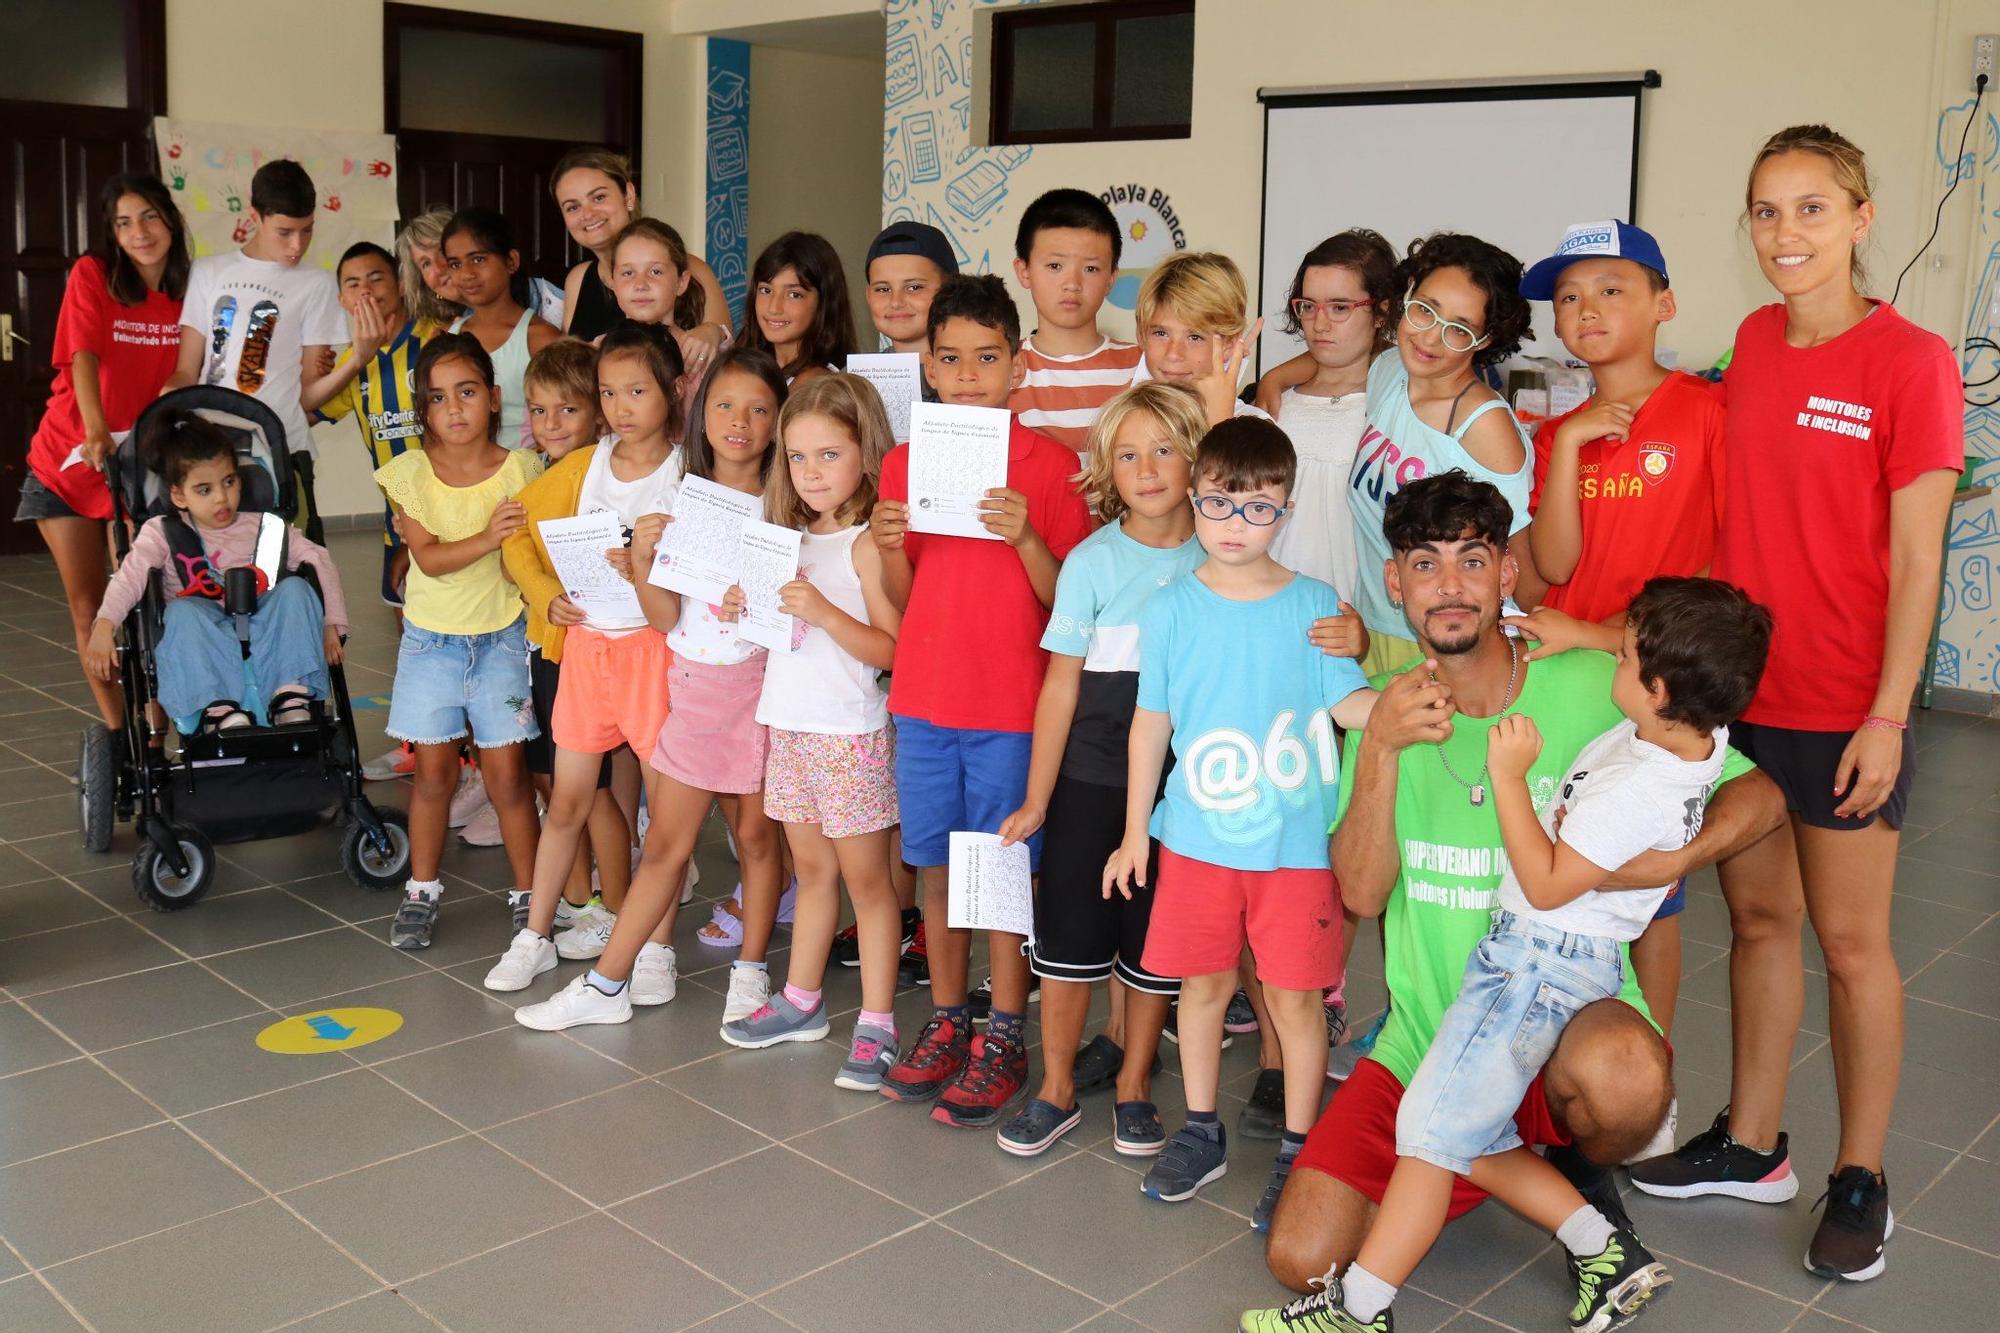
{"type": "Point", "coordinates": [1452, 854]}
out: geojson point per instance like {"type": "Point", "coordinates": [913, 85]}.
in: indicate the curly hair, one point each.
{"type": "Point", "coordinates": [1495, 272]}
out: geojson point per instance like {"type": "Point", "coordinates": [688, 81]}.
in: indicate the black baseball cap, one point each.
{"type": "Point", "coordinates": [913, 238]}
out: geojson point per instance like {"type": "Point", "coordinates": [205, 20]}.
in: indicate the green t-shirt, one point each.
{"type": "Point", "coordinates": [1452, 855]}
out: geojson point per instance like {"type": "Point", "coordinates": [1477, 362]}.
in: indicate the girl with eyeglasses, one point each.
{"type": "Point", "coordinates": [1429, 412]}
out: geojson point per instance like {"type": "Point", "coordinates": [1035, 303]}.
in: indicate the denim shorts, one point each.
{"type": "Point", "coordinates": [958, 779]}
{"type": "Point", "coordinates": [1522, 985]}
{"type": "Point", "coordinates": [446, 683]}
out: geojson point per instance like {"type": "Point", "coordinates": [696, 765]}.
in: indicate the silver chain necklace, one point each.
{"type": "Point", "coordinates": [1477, 790]}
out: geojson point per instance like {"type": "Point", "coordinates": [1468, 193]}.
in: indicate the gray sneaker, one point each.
{"type": "Point", "coordinates": [1267, 1203]}
{"type": "Point", "coordinates": [778, 1020]}
{"type": "Point", "coordinates": [870, 1056]}
{"type": "Point", "coordinates": [414, 920]}
{"type": "Point", "coordinates": [1190, 1160]}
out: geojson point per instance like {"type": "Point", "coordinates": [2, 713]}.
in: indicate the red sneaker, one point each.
{"type": "Point", "coordinates": [935, 1060]}
{"type": "Point", "coordinates": [996, 1074]}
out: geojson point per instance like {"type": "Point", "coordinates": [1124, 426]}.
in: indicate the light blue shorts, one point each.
{"type": "Point", "coordinates": [1522, 985]}
{"type": "Point", "coordinates": [446, 683]}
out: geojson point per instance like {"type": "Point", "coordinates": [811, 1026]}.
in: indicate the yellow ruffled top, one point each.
{"type": "Point", "coordinates": [477, 599]}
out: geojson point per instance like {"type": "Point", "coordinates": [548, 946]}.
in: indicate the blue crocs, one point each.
{"type": "Point", "coordinates": [1036, 1127]}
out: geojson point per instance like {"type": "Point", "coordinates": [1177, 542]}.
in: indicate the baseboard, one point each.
{"type": "Point", "coordinates": [1976, 702]}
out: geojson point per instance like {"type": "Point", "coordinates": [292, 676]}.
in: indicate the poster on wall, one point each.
{"type": "Point", "coordinates": [1150, 231]}
{"type": "Point", "coordinates": [208, 167]}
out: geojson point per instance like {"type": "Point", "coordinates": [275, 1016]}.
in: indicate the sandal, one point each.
{"type": "Point", "coordinates": [290, 706]}
{"type": "Point", "coordinates": [224, 714]}
{"type": "Point", "coordinates": [724, 929]}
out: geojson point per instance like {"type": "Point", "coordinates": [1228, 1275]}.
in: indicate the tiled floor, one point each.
{"type": "Point", "coordinates": [160, 1172]}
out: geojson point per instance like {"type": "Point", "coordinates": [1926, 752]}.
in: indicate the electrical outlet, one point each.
{"type": "Point", "coordinates": [1985, 57]}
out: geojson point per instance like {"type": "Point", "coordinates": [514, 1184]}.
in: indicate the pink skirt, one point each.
{"type": "Point", "coordinates": [712, 740]}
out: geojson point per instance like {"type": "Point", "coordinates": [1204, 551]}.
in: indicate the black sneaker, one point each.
{"type": "Point", "coordinates": [1613, 1285]}
{"type": "Point", "coordinates": [979, 1004]}
{"type": "Point", "coordinates": [915, 967]}
{"type": "Point", "coordinates": [1857, 1221]}
{"type": "Point", "coordinates": [847, 944]}
{"type": "Point", "coordinates": [1239, 1017]}
{"type": "Point", "coordinates": [1713, 1163]}
{"type": "Point", "coordinates": [519, 904]}
{"type": "Point", "coordinates": [1336, 1021]}
{"type": "Point", "coordinates": [1595, 1183]}
{"type": "Point", "coordinates": [1172, 1030]}
{"type": "Point", "coordinates": [414, 920]}
{"type": "Point", "coordinates": [1263, 1116]}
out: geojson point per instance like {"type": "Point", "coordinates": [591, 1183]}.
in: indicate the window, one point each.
{"type": "Point", "coordinates": [1111, 70]}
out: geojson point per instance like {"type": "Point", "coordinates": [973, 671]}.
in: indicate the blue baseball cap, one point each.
{"type": "Point", "coordinates": [1592, 240]}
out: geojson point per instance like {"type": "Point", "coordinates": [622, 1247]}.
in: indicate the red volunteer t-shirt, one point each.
{"type": "Point", "coordinates": [1649, 503]}
{"type": "Point", "coordinates": [136, 348]}
{"type": "Point", "coordinates": [1818, 438]}
{"type": "Point", "coordinates": [969, 654]}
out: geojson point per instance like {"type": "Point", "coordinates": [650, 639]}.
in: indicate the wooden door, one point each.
{"type": "Point", "coordinates": [491, 171]}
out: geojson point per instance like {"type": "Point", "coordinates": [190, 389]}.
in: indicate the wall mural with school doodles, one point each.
{"type": "Point", "coordinates": [728, 168]}
{"type": "Point", "coordinates": [208, 167]}
{"type": "Point", "coordinates": [1968, 653]}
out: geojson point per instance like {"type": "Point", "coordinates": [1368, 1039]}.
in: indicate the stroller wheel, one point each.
{"type": "Point", "coordinates": [370, 866]}
{"type": "Point", "coordinates": [96, 787]}
{"type": "Point", "coordinates": [153, 877]}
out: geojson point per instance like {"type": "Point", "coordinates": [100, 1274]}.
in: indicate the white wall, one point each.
{"type": "Point", "coordinates": [816, 156]}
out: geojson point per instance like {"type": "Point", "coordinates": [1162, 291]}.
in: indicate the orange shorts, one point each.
{"type": "Point", "coordinates": [613, 691]}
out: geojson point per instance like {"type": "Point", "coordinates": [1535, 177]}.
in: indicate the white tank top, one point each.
{"type": "Point", "coordinates": [510, 373]}
{"type": "Point", "coordinates": [818, 687]}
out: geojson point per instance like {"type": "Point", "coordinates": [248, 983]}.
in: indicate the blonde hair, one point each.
{"type": "Point", "coordinates": [852, 404]}
{"type": "Point", "coordinates": [1204, 288]}
{"type": "Point", "coordinates": [569, 366]}
{"type": "Point", "coordinates": [1180, 413]}
{"type": "Point", "coordinates": [425, 229]}
{"type": "Point", "coordinates": [1847, 162]}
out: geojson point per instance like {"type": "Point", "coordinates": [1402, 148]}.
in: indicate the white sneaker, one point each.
{"type": "Point", "coordinates": [688, 881]}
{"type": "Point", "coordinates": [483, 829]}
{"type": "Point", "coordinates": [466, 801]}
{"type": "Point", "coordinates": [574, 1005]}
{"type": "Point", "coordinates": [653, 976]}
{"type": "Point", "coordinates": [526, 958]}
{"type": "Point", "coordinates": [1663, 1141]}
{"type": "Point", "coordinates": [749, 989]}
{"type": "Point", "coordinates": [589, 932]}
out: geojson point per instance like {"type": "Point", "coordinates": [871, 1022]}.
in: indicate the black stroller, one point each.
{"type": "Point", "coordinates": [241, 783]}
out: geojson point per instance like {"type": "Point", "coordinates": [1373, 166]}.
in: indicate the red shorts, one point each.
{"type": "Point", "coordinates": [612, 692]}
{"type": "Point", "coordinates": [1203, 914]}
{"type": "Point", "coordinates": [1354, 1140]}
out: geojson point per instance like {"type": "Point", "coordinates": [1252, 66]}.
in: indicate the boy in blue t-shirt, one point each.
{"type": "Point", "coordinates": [1227, 674]}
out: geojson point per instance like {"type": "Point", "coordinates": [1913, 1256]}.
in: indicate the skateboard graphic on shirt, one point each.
{"type": "Point", "coordinates": [220, 326]}
{"type": "Point", "coordinates": [256, 355]}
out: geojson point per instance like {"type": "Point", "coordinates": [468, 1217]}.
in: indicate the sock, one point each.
{"type": "Point", "coordinates": [1289, 1144]}
{"type": "Point", "coordinates": [1364, 1294]}
{"type": "Point", "coordinates": [955, 1012]}
{"type": "Point", "coordinates": [432, 889]}
{"type": "Point", "coordinates": [1007, 1027]}
{"type": "Point", "coordinates": [1207, 1124]}
{"type": "Point", "coordinates": [805, 1001]}
{"type": "Point", "coordinates": [870, 1019]}
{"type": "Point", "coordinates": [1584, 1232]}
{"type": "Point", "coordinates": [603, 984]}
{"type": "Point", "coordinates": [754, 967]}
{"type": "Point", "coordinates": [1336, 996]}
{"type": "Point", "coordinates": [515, 897]}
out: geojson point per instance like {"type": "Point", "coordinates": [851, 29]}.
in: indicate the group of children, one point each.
{"type": "Point", "coordinates": [1144, 677]}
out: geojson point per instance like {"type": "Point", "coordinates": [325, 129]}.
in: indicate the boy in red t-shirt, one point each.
{"type": "Point", "coordinates": [969, 666]}
{"type": "Point", "coordinates": [1628, 485]}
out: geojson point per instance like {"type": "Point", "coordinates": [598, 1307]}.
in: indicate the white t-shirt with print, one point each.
{"type": "Point", "coordinates": [602, 492]}
{"type": "Point", "coordinates": [256, 318]}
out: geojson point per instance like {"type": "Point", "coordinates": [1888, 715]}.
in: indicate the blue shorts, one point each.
{"type": "Point", "coordinates": [1522, 985]}
{"type": "Point", "coordinates": [958, 780]}
{"type": "Point", "coordinates": [1674, 903]}
{"type": "Point", "coordinates": [446, 683]}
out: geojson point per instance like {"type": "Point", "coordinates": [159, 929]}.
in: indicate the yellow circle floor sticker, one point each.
{"type": "Point", "coordinates": [329, 1030]}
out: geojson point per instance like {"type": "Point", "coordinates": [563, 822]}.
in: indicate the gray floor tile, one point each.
{"type": "Point", "coordinates": [49, 1109]}
{"type": "Point", "coordinates": [719, 1221]}
{"type": "Point", "coordinates": [1941, 1106]}
{"type": "Point", "coordinates": [384, 1312]}
{"type": "Point", "coordinates": [81, 953]}
{"type": "Point", "coordinates": [1478, 1252]}
{"type": "Point", "coordinates": [10, 1267]}
{"type": "Point", "coordinates": [297, 971]}
{"type": "Point", "coordinates": [306, 1133]}
{"type": "Point", "coordinates": [738, 1085]}
{"type": "Point", "coordinates": [514, 1072]}
{"type": "Point", "coordinates": [1930, 1285]}
{"type": "Point", "coordinates": [143, 1005]}
{"type": "Point", "coordinates": [510, 1288]}
{"type": "Point", "coordinates": [989, 1291]}
{"type": "Point", "coordinates": [1935, 878]}
{"type": "Point", "coordinates": [1963, 1205]}
{"type": "Point", "coordinates": [1095, 1232]}
{"type": "Point", "coordinates": [1111, 1322]}
{"type": "Point", "coordinates": [136, 1183]}
{"type": "Point", "coordinates": [432, 1208]}
{"type": "Point", "coordinates": [239, 921]}
{"type": "Point", "coordinates": [591, 1141]}
{"type": "Point", "coordinates": [1982, 943]}
{"type": "Point", "coordinates": [1952, 1039]}
{"type": "Point", "coordinates": [26, 1042]}
{"type": "Point", "coordinates": [1541, 1297]}
{"type": "Point", "coordinates": [335, 893]}
{"type": "Point", "coordinates": [436, 1009]}
{"type": "Point", "coordinates": [282, 860]}
{"type": "Point", "coordinates": [17, 868]}
{"type": "Point", "coordinates": [1215, 1290]}
{"type": "Point", "coordinates": [930, 1167]}
{"type": "Point", "coordinates": [1961, 982]}
{"type": "Point", "coordinates": [27, 1307]}
{"type": "Point", "coordinates": [35, 906]}
{"type": "Point", "coordinates": [244, 1270]}
{"type": "Point", "coordinates": [43, 814]}
{"type": "Point", "coordinates": [193, 1071]}
{"type": "Point", "coordinates": [746, 1318]}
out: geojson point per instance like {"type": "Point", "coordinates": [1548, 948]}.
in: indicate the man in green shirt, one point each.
{"type": "Point", "coordinates": [1418, 843]}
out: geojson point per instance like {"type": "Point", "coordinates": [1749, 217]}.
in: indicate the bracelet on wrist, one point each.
{"type": "Point", "coordinates": [1879, 723]}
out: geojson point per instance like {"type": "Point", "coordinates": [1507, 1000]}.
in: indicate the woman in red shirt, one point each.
{"type": "Point", "coordinates": [117, 338]}
{"type": "Point", "coordinates": [1845, 433]}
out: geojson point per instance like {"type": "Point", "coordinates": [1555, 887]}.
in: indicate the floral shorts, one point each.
{"type": "Point", "coordinates": [844, 784]}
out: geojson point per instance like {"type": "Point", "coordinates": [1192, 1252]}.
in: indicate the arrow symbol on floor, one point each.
{"type": "Point", "coordinates": [327, 1029]}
